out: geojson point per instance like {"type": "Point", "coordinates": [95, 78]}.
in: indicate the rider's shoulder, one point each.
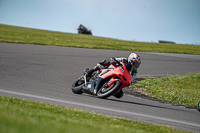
{"type": "Point", "coordinates": [122, 59]}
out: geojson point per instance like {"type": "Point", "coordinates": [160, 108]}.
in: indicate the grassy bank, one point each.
{"type": "Point", "coordinates": [41, 37]}
{"type": "Point", "coordinates": [183, 89]}
{"type": "Point", "coordinates": [21, 116]}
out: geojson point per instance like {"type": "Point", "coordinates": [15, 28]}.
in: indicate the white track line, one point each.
{"type": "Point", "coordinates": [102, 108]}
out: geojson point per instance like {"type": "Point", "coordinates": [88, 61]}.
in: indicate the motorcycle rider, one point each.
{"type": "Point", "coordinates": [132, 64]}
{"type": "Point", "coordinates": [81, 28]}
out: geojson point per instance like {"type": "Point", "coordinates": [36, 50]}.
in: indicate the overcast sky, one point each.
{"type": "Point", "coordinates": [133, 20]}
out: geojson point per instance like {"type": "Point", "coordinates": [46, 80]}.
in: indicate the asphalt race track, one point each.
{"type": "Point", "coordinates": [46, 73]}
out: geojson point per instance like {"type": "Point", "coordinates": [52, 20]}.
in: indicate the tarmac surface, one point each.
{"type": "Point", "coordinates": [46, 73]}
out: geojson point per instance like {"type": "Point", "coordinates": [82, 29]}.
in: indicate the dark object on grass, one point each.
{"type": "Point", "coordinates": [198, 106]}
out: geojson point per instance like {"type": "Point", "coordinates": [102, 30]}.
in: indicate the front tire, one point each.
{"type": "Point", "coordinates": [77, 86]}
{"type": "Point", "coordinates": [105, 92]}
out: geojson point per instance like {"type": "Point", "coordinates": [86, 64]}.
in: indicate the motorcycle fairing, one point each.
{"type": "Point", "coordinates": [118, 72]}
{"type": "Point", "coordinates": [92, 86]}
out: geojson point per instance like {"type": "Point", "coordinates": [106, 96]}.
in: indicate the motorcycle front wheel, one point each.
{"type": "Point", "coordinates": [77, 85]}
{"type": "Point", "coordinates": [105, 92]}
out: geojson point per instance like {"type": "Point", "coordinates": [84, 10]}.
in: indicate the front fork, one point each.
{"type": "Point", "coordinates": [85, 78]}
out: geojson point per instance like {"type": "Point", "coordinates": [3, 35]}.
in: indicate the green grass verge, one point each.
{"type": "Point", "coordinates": [14, 34]}
{"type": "Point", "coordinates": [22, 116]}
{"type": "Point", "coordinates": [183, 89]}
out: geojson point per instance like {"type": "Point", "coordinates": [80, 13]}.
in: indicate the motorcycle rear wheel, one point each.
{"type": "Point", "coordinates": [109, 91]}
{"type": "Point", "coordinates": [77, 85]}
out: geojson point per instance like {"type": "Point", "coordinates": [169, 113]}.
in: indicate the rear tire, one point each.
{"type": "Point", "coordinates": [109, 91]}
{"type": "Point", "coordinates": [77, 86]}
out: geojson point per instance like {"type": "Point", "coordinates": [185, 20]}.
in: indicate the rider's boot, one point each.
{"type": "Point", "coordinates": [119, 94]}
